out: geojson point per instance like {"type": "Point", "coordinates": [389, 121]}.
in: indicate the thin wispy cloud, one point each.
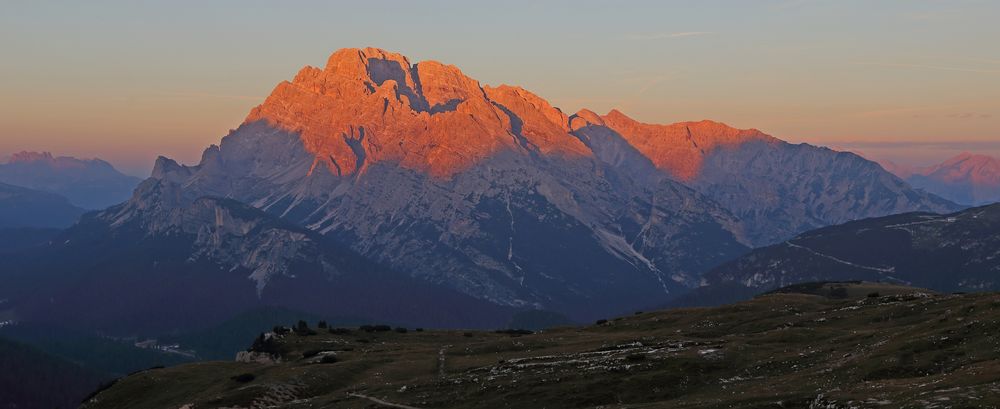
{"type": "Point", "coordinates": [649, 85]}
{"type": "Point", "coordinates": [644, 83]}
{"type": "Point", "coordinates": [662, 36]}
{"type": "Point", "coordinates": [931, 67]}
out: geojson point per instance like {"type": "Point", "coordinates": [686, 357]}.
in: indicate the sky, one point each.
{"type": "Point", "coordinates": [913, 81]}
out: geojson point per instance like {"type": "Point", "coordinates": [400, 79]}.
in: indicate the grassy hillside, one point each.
{"type": "Point", "coordinates": [224, 340]}
{"type": "Point", "coordinates": [830, 345]}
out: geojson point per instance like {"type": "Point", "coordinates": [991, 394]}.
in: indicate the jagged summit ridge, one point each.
{"type": "Point", "coordinates": [680, 148]}
{"type": "Point", "coordinates": [369, 105]}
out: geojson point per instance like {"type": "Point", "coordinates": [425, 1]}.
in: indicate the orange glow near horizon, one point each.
{"type": "Point", "coordinates": [910, 81]}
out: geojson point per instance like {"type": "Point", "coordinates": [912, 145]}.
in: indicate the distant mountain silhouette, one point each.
{"type": "Point", "coordinates": [23, 207]}
{"type": "Point", "coordinates": [966, 178]}
{"type": "Point", "coordinates": [87, 183]}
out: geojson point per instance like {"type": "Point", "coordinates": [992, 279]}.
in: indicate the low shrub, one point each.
{"type": "Point", "coordinates": [264, 343]}
{"type": "Point", "coordinates": [302, 328]}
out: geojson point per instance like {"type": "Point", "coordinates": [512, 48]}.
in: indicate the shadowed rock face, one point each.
{"type": "Point", "coordinates": [494, 192]}
{"type": "Point", "coordinates": [516, 229]}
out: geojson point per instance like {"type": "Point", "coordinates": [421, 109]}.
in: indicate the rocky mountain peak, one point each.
{"type": "Point", "coordinates": [370, 105]}
{"type": "Point", "coordinates": [486, 188]}
{"type": "Point", "coordinates": [585, 117]}
{"type": "Point", "coordinates": [164, 166]}
{"type": "Point", "coordinates": [358, 63]}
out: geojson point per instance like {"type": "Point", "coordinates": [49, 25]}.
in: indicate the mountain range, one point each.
{"type": "Point", "coordinates": [22, 208]}
{"type": "Point", "coordinates": [373, 175]}
{"type": "Point", "coordinates": [87, 183]}
{"type": "Point", "coordinates": [377, 191]}
{"type": "Point", "coordinates": [499, 195]}
{"type": "Point", "coordinates": [950, 252]}
{"type": "Point", "coordinates": [967, 178]}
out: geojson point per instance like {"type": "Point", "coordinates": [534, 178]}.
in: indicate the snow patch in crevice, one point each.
{"type": "Point", "coordinates": [510, 243]}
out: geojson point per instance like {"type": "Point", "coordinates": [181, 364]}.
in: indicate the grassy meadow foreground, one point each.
{"type": "Point", "coordinates": [827, 345]}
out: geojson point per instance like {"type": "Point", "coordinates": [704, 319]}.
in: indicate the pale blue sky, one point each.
{"type": "Point", "coordinates": [130, 80]}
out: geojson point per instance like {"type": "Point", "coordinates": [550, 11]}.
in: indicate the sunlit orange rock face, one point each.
{"type": "Point", "coordinates": [371, 105]}
{"type": "Point", "coordinates": [679, 148]}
